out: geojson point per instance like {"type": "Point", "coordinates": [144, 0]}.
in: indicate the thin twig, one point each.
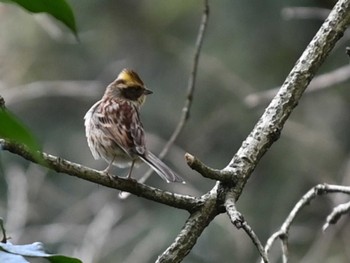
{"type": "Point", "coordinates": [43, 89]}
{"type": "Point", "coordinates": [239, 222]}
{"type": "Point", "coordinates": [4, 237]}
{"type": "Point", "coordinates": [190, 89]}
{"type": "Point", "coordinates": [315, 191]}
{"type": "Point", "coordinates": [284, 248]}
{"type": "Point", "coordinates": [319, 83]}
{"type": "Point", "coordinates": [191, 82]}
{"type": "Point", "coordinates": [337, 212]}
{"type": "Point", "coordinates": [305, 13]}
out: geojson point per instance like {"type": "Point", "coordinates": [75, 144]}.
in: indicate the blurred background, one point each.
{"type": "Point", "coordinates": [49, 80]}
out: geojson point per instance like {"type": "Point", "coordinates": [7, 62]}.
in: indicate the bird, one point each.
{"type": "Point", "coordinates": [115, 132]}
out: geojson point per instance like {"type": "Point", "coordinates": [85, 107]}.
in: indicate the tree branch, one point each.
{"type": "Point", "coordinates": [3, 231]}
{"type": "Point", "coordinates": [337, 212]}
{"type": "Point", "coordinates": [305, 13]}
{"type": "Point", "coordinates": [271, 123]}
{"type": "Point", "coordinates": [60, 165]}
{"type": "Point", "coordinates": [283, 232]}
{"type": "Point", "coordinates": [206, 171]}
{"type": "Point", "coordinates": [243, 163]}
{"type": "Point", "coordinates": [319, 83]}
{"type": "Point", "coordinates": [190, 89]}
{"type": "Point", "coordinates": [238, 221]}
{"type": "Point", "coordinates": [192, 229]}
{"type": "Point", "coordinates": [40, 89]}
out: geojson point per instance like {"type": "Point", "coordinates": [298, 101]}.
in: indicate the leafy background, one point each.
{"type": "Point", "coordinates": [49, 79]}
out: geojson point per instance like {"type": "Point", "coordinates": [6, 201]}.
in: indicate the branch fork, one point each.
{"type": "Point", "coordinates": [231, 180]}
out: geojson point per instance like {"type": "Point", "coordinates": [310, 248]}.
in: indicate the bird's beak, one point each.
{"type": "Point", "coordinates": [147, 92]}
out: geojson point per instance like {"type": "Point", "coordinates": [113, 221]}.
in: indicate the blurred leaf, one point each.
{"type": "Point", "coordinates": [31, 250]}
{"type": "Point", "coordinates": [57, 8]}
{"type": "Point", "coordinates": [11, 258]}
{"type": "Point", "coordinates": [12, 129]}
{"type": "Point", "coordinates": [63, 259]}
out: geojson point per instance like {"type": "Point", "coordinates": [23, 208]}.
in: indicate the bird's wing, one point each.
{"type": "Point", "coordinates": [122, 123]}
{"type": "Point", "coordinates": [138, 135]}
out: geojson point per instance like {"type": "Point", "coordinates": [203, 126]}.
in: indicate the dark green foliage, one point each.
{"type": "Point", "coordinates": [57, 8]}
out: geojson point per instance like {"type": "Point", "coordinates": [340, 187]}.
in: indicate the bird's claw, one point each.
{"type": "Point", "coordinates": [107, 173]}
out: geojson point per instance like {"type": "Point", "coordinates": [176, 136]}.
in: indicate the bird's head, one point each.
{"type": "Point", "coordinates": [129, 86]}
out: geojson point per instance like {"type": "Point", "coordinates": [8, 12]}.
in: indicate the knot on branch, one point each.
{"type": "Point", "coordinates": [237, 219]}
{"type": "Point", "coordinates": [235, 216]}
{"type": "Point", "coordinates": [320, 189]}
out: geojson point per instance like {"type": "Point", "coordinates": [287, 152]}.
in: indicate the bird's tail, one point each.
{"type": "Point", "coordinates": [161, 168]}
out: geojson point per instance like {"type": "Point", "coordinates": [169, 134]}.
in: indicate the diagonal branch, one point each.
{"type": "Point", "coordinates": [198, 221]}
{"type": "Point", "coordinates": [337, 212]}
{"type": "Point", "coordinates": [190, 89]}
{"type": "Point", "coordinates": [60, 165]}
{"type": "Point", "coordinates": [243, 163]}
{"type": "Point", "coordinates": [271, 123]}
{"type": "Point", "coordinates": [283, 232]}
{"type": "Point", "coordinates": [192, 229]}
{"type": "Point", "coordinates": [238, 221]}
{"type": "Point", "coordinates": [191, 82]}
{"type": "Point", "coordinates": [2, 228]}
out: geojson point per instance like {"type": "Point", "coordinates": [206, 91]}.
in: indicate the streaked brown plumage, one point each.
{"type": "Point", "coordinates": [114, 131]}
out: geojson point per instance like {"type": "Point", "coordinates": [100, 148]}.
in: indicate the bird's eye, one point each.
{"type": "Point", "coordinates": [132, 92]}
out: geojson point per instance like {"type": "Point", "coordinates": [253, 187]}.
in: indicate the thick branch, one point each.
{"type": "Point", "coordinates": [60, 165]}
{"type": "Point", "coordinates": [192, 229]}
{"type": "Point", "coordinates": [266, 131]}
{"type": "Point", "coordinates": [269, 127]}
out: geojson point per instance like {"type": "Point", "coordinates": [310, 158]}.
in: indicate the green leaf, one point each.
{"type": "Point", "coordinates": [12, 129]}
{"type": "Point", "coordinates": [33, 250]}
{"type": "Point", "coordinates": [57, 8]}
{"type": "Point", "coordinates": [63, 259]}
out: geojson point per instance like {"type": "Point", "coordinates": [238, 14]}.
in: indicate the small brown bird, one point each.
{"type": "Point", "coordinates": [114, 131]}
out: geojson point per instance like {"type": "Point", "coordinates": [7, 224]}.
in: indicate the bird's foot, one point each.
{"type": "Point", "coordinates": [107, 173]}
